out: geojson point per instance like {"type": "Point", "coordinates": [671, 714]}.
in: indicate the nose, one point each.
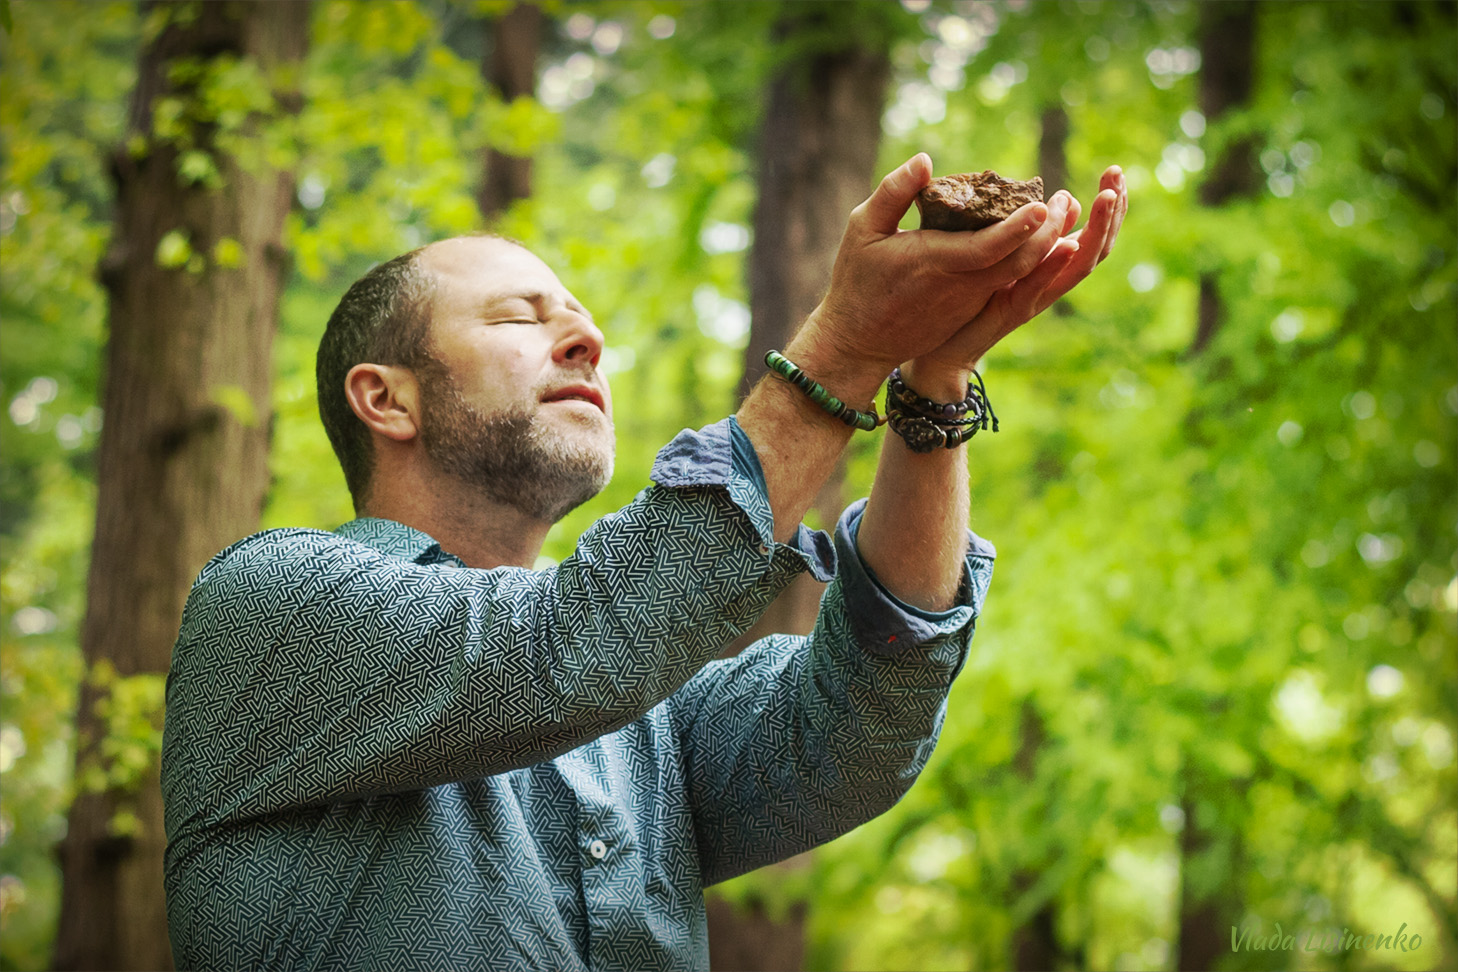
{"type": "Point", "coordinates": [579, 340]}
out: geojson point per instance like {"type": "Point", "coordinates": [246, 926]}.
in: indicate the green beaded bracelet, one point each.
{"type": "Point", "coordinates": [786, 369]}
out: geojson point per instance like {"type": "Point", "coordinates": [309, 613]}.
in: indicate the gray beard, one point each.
{"type": "Point", "coordinates": [509, 457]}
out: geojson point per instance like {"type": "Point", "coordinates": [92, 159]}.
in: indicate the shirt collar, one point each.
{"type": "Point", "coordinates": [396, 540]}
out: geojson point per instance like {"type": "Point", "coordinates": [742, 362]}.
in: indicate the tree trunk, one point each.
{"type": "Point", "coordinates": [1210, 858]}
{"type": "Point", "coordinates": [1034, 944]}
{"type": "Point", "coordinates": [510, 66]}
{"type": "Point", "coordinates": [817, 157]}
{"type": "Point", "coordinates": [1227, 59]}
{"type": "Point", "coordinates": [1053, 148]}
{"type": "Point", "coordinates": [1053, 163]}
{"type": "Point", "coordinates": [193, 275]}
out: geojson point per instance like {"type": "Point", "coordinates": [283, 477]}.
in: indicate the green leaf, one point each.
{"type": "Point", "coordinates": [124, 823]}
{"type": "Point", "coordinates": [173, 250]}
{"type": "Point", "coordinates": [237, 402]}
{"type": "Point", "coordinates": [196, 168]}
{"type": "Point", "coordinates": [228, 253]}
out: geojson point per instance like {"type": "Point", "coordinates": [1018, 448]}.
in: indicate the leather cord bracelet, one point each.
{"type": "Point", "coordinates": [784, 368]}
{"type": "Point", "coordinates": [926, 425]}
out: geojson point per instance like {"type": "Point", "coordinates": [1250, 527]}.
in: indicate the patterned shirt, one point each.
{"type": "Point", "coordinates": [376, 757]}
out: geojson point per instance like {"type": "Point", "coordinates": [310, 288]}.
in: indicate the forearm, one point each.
{"type": "Point", "coordinates": [798, 442]}
{"type": "Point", "coordinates": [828, 731]}
{"type": "Point", "coordinates": [913, 535]}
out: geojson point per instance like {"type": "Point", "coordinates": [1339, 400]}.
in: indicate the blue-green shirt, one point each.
{"type": "Point", "coordinates": [376, 757]}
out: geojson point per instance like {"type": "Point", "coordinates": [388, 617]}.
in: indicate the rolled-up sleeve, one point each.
{"type": "Point", "coordinates": [800, 739]}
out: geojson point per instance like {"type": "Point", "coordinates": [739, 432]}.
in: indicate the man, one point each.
{"type": "Point", "coordinates": [396, 746]}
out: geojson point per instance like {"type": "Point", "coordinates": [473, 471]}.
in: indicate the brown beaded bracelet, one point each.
{"type": "Point", "coordinates": [926, 425]}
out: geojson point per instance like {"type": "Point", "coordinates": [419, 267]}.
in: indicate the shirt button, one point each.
{"type": "Point", "coordinates": [597, 849]}
{"type": "Point", "coordinates": [764, 548]}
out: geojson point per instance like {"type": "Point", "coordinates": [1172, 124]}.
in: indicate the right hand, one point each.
{"type": "Point", "coordinates": [895, 295]}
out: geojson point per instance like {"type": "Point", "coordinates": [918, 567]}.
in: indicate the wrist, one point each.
{"type": "Point", "coordinates": [937, 381]}
{"type": "Point", "coordinates": [850, 378]}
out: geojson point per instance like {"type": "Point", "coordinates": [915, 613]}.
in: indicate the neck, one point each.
{"type": "Point", "coordinates": [481, 531]}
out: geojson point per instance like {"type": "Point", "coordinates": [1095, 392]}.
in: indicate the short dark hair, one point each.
{"type": "Point", "coordinates": [383, 318]}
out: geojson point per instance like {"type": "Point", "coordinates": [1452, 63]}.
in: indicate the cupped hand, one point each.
{"type": "Point", "coordinates": [1062, 267]}
{"type": "Point", "coordinates": [895, 295]}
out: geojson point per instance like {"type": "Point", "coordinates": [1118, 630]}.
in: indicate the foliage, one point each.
{"type": "Point", "coordinates": [61, 114]}
{"type": "Point", "coordinates": [1227, 581]}
{"type": "Point", "coordinates": [1226, 586]}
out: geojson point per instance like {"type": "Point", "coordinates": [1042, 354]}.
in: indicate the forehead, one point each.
{"type": "Point", "coordinates": [470, 270]}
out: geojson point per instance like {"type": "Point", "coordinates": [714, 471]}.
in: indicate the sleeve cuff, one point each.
{"type": "Point", "coordinates": [722, 455]}
{"type": "Point", "coordinates": [885, 624]}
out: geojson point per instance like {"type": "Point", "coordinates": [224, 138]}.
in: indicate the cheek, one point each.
{"type": "Point", "coordinates": [506, 374]}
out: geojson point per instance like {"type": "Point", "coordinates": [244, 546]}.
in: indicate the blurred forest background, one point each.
{"type": "Point", "coordinates": [1216, 680]}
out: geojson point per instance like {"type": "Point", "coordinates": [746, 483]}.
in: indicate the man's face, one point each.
{"type": "Point", "coordinates": [512, 401]}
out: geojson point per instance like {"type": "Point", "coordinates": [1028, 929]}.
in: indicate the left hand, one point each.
{"type": "Point", "coordinates": [1072, 259]}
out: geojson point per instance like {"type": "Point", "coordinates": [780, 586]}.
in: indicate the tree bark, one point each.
{"type": "Point", "coordinates": [1208, 865]}
{"type": "Point", "coordinates": [1053, 163]}
{"type": "Point", "coordinates": [817, 157]}
{"type": "Point", "coordinates": [182, 464]}
{"type": "Point", "coordinates": [510, 66]}
{"type": "Point", "coordinates": [1034, 944]}
{"type": "Point", "coordinates": [1053, 148]}
{"type": "Point", "coordinates": [816, 162]}
{"type": "Point", "coordinates": [1227, 78]}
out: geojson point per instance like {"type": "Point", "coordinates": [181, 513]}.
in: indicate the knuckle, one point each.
{"type": "Point", "coordinates": [1024, 262]}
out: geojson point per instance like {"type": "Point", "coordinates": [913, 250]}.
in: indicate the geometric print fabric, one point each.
{"type": "Point", "coordinates": [375, 757]}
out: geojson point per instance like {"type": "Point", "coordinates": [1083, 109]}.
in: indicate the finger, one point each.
{"type": "Point", "coordinates": [961, 252]}
{"type": "Point", "coordinates": [1019, 302]}
{"type": "Point", "coordinates": [1113, 181]}
{"type": "Point", "coordinates": [1037, 283]}
{"type": "Point", "coordinates": [1121, 209]}
{"type": "Point", "coordinates": [1107, 205]}
{"type": "Point", "coordinates": [1075, 210]}
{"type": "Point", "coordinates": [1021, 261]}
{"type": "Point", "coordinates": [1092, 240]}
{"type": "Point", "coordinates": [1100, 221]}
{"type": "Point", "coordinates": [1026, 297]}
{"type": "Point", "coordinates": [881, 213]}
{"type": "Point", "coordinates": [1111, 178]}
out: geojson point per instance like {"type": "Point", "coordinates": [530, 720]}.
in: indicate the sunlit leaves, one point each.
{"type": "Point", "coordinates": [1210, 566]}
{"type": "Point", "coordinates": [1217, 546]}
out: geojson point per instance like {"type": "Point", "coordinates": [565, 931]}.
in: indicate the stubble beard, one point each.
{"type": "Point", "coordinates": [512, 457]}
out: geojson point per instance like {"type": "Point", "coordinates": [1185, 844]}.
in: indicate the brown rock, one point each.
{"type": "Point", "coordinates": [973, 201]}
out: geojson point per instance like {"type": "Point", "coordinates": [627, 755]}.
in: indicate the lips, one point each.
{"type": "Point", "coordinates": [581, 393]}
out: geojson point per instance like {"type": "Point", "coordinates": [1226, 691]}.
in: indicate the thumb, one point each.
{"type": "Point", "coordinates": [894, 196]}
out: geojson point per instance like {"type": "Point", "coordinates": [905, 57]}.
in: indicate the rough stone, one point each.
{"type": "Point", "coordinates": [974, 200]}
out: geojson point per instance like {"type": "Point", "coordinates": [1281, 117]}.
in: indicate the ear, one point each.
{"type": "Point", "coordinates": [386, 398]}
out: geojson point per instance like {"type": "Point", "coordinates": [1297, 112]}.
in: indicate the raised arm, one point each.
{"type": "Point", "coordinates": [796, 741]}
{"type": "Point", "coordinates": [913, 533]}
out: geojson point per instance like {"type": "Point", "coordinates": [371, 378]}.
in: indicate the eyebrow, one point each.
{"type": "Point", "coordinates": [537, 299]}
